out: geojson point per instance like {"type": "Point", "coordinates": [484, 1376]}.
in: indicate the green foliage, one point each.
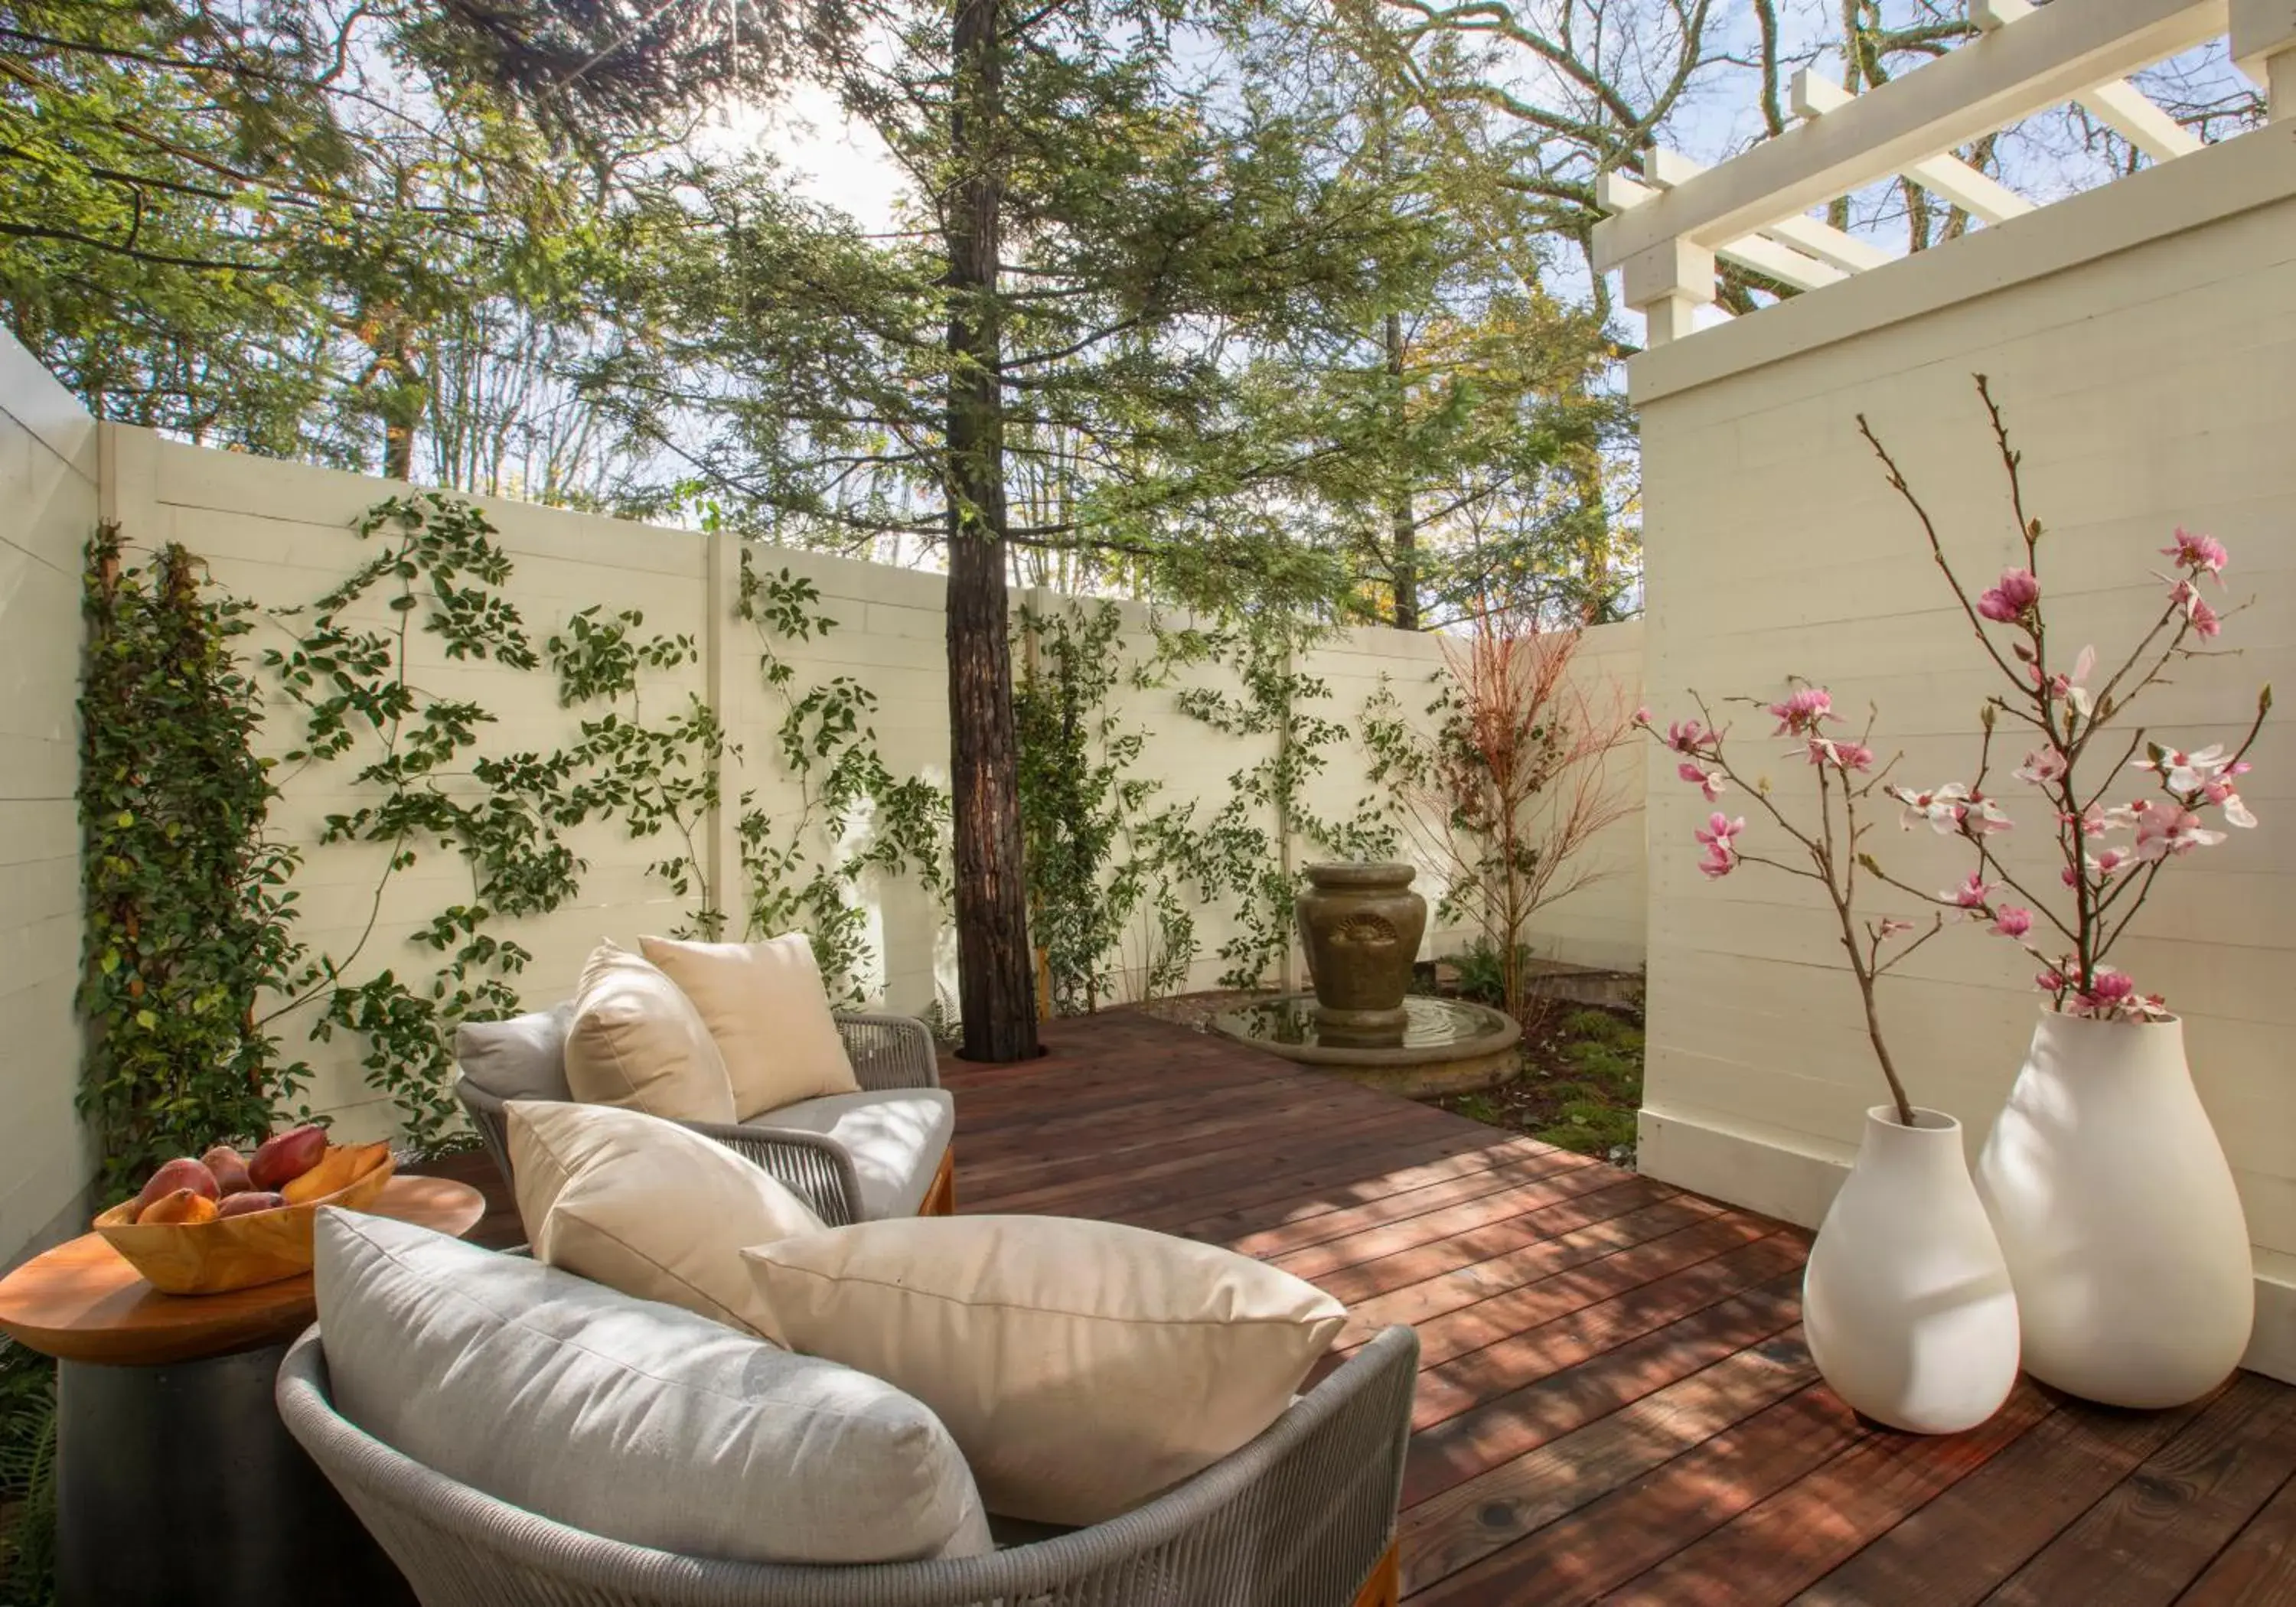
{"type": "Point", "coordinates": [502, 814]}
{"type": "Point", "coordinates": [1481, 974]}
{"type": "Point", "coordinates": [802, 866]}
{"type": "Point", "coordinates": [1099, 858]}
{"type": "Point", "coordinates": [185, 908]}
{"type": "Point", "coordinates": [27, 1477]}
{"type": "Point", "coordinates": [1239, 854]}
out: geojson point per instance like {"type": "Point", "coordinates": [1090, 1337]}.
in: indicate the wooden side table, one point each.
{"type": "Point", "coordinates": [175, 1478]}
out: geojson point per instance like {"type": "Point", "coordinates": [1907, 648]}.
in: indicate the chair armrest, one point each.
{"type": "Point", "coordinates": [889, 1051]}
{"type": "Point", "coordinates": [813, 1166]}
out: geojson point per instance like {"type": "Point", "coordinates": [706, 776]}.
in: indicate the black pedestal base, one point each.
{"type": "Point", "coordinates": [180, 1484]}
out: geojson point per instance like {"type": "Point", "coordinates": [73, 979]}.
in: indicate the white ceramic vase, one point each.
{"type": "Point", "coordinates": [1906, 1304]}
{"type": "Point", "coordinates": [2119, 1217]}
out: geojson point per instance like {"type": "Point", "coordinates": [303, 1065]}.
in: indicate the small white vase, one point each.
{"type": "Point", "coordinates": [1906, 1304]}
{"type": "Point", "coordinates": [2119, 1217]}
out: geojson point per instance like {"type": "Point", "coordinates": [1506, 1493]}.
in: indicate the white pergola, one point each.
{"type": "Point", "coordinates": [1671, 225]}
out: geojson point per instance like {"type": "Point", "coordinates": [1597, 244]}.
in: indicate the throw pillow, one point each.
{"type": "Point", "coordinates": [766, 1005]}
{"type": "Point", "coordinates": [622, 1418]}
{"type": "Point", "coordinates": [647, 1207]}
{"type": "Point", "coordinates": [1082, 1366]}
{"type": "Point", "coordinates": [637, 1042]}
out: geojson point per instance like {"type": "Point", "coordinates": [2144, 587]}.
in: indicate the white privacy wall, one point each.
{"type": "Point", "coordinates": [2142, 340]}
{"type": "Point", "coordinates": [48, 489]}
{"type": "Point", "coordinates": [278, 534]}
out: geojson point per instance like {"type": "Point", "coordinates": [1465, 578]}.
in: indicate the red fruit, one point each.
{"type": "Point", "coordinates": [181, 1172]}
{"type": "Point", "coordinates": [286, 1156]}
{"type": "Point", "coordinates": [230, 1169]}
{"type": "Point", "coordinates": [247, 1202]}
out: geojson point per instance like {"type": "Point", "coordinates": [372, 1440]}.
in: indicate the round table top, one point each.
{"type": "Point", "coordinates": [80, 1302]}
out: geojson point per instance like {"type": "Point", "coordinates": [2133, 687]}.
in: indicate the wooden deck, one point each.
{"type": "Point", "coordinates": [1614, 1399]}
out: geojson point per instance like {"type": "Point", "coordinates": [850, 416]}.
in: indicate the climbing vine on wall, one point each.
{"type": "Point", "coordinates": [1101, 864]}
{"type": "Point", "coordinates": [438, 571]}
{"type": "Point", "coordinates": [853, 817]}
{"type": "Point", "coordinates": [1240, 853]}
{"type": "Point", "coordinates": [186, 909]}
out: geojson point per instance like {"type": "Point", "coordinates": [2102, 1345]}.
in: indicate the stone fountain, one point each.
{"type": "Point", "coordinates": [1361, 925]}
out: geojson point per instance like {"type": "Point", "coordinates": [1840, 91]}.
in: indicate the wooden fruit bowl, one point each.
{"type": "Point", "coordinates": [232, 1253]}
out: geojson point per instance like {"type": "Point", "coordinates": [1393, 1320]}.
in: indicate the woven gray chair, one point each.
{"type": "Point", "coordinates": [802, 1145]}
{"type": "Point", "coordinates": [1303, 1516]}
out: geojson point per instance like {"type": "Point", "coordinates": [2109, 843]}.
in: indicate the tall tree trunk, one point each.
{"type": "Point", "coordinates": [1403, 528]}
{"type": "Point", "coordinates": [996, 988]}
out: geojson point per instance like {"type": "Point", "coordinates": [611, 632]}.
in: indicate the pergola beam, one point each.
{"type": "Point", "coordinates": [1949, 178]}
{"type": "Point", "coordinates": [1988, 84]}
{"type": "Point", "coordinates": [1668, 168]}
{"type": "Point", "coordinates": [2117, 103]}
{"type": "Point", "coordinates": [2264, 47]}
{"type": "Point", "coordinates": [1781, 263]}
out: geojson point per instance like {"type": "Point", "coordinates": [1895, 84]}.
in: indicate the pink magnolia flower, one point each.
{"type": "Point", "coordinates": [1708, 781]}
{"type": "Point", "coordinates": [2206, 621]}
{"type": "Point", "coordinates": [2161, 832]}
{"type": "Point", "coordinates": [2050, 981]}
{"type": "Point", "coordinates": [1890, 927]}
{"type": "Point", "coordinates": [2112, 994]}
{"type": "Point", "coordinates": [2043, 766]}
{"type": "Point", "coordinates": [2010, 922]}
{"type": "Point", "coordinates": [2235, 811]}
{"type": "Point", "coordinates": [2103, 863]}
{"type": "Point", "coordinates": [1942, 807]}
{"type": "Point", "coordinates": [1841, 755]}
{"type": "Point", "coordinates": [2009, 601]}
{"type": "Point", "coordinates": [2196, 553]}
{"type": "Point", "coordinates": [2068, 688]}
{"type": "Point", "coordinates": [2097, 820]}
{"type": "Point", "coordinates": [1984, 817]}
{"type": "Point", "coordinates": [1688, 736]}
{"type": "Point", "coordinates": [1799, 714]}
{"type": "Point", "coordinates": [1721, 858]}
{"type": "Point", "coordinates": [1970, 894]}
{"type": "Point", "coordinates": [1643, 714]}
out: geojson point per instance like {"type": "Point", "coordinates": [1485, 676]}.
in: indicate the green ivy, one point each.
{"type": "Point", "coordinates": [186, 911]}
{"type": "Point", "coordinates": [1079, 807]}
{"type": "Point", "coordinates": [801, 871]}
{"type": "Point", "coordinates": [1238, 853]}
{"type": "Point", "coordinates": [503, 814]}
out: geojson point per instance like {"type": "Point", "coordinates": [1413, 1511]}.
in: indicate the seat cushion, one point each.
{"type": "Point", "coordinates": [523, 1057]}
{"type": "Point", "coordinates": [1081, 1367]}
{"type": "Point", "coordinates": [624, 1418]}
{"type": "Point", "coordinates": [637, 1042]}
{"type": "Point", "coordinates": [895, 1137]}
{"type": "Point", "coordinates": [642, 1205]}
{"type": "Point", "coordinates": [767, 1009]}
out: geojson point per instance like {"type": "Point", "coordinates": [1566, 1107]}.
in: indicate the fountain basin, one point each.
{"type": "Point", "coordinates": [1445, 1045]}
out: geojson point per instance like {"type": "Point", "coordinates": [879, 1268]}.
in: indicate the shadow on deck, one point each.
{"type": "Point", "coordinates": [1614, 1398]}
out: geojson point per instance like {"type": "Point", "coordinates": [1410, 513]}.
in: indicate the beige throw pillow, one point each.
{"type": "Point", "coordinates": [636, 1042]}
{"type": "Point", "coordinates": [768, 1011]}
{"type": "Point", "coordinates": [646, 1206]}
{"type": "Point", "coordinates": [1082, 1366]}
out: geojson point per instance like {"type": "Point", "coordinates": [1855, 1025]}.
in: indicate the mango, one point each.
{"type": "Point", "coordinates": [247, 1202]}
{"type": "Point", "coordinates": [181, 1172]}
{"type": "Point", "coordinates": [284, 1156]}
{"type": "Point", "coordinates": [339, 1168]}
{"type": "Point", "coordinates": [185, 1206]}
{"type": "Point", "coordinates": [230, 1169]}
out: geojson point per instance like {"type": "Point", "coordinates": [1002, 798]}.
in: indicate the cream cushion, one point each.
{"type": "Point", "coordinates": [637, 1042]}
{"type": "Point", "coordinates": [768, 1011]}
{"type": "Point", "coordinates": [624, 1418]}
{"type": "Point", "coordinates": [1082, 1366]}
{"type": "Point", "coordinates": [644, 1206]}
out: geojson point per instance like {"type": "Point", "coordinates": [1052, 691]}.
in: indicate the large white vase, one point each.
{"type": "Point", "coordinates": [1907, 1303]}
{"type": "Point", "coordinates": [2119, 1217]}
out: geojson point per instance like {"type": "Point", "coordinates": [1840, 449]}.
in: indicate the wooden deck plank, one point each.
{"type": "Point", "coordinates": [2154, 1533]}
{"type": "Point", "coordinates": [2259, 1568]}
{"type": "Point", "coordinates": [1960, 1547]}
{"type": "Point", "coordinates": [1614, 1399]}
